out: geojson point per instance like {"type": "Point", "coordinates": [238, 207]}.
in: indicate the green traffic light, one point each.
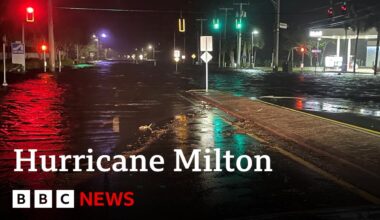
{"type": "Point", "coordinates": [216, 24]}
{"type": "Point", "coordinates": [239, 24]}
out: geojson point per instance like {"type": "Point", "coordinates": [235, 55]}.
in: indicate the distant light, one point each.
{"type": "Point", "coordinates": [315, 34]}
{"type": "Point", "coordinates": [141, 57]}
{"type": "Point", "coordinates": [255, 32]}
{"type": "Point", "coordinates": [94, 36]}
{"type": "Point", "coordinates": [183, 57]}
{"type": "Point", "coordinates": [216, 23]}
{"type": "Point", "coordinates": [150, 47]}
{"type": "Point", "coordinates": [104, 35]}
{"type": "Point", "coordinates": [43, 47]}
{"type": "Point", "coordinates": [193, 56]}
{"type": "Point", "coordinates": [177, 53]}
{"type": "Point", "coordinates": [96, 39]}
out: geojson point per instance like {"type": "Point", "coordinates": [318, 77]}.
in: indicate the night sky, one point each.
{"type": "Point", "coordinates": [128, 30]}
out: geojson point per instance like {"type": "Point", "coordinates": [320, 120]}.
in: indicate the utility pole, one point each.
{"type": "Point", "coordinates": [225, 33]}
{"type": "Point", "coordinates": [4, 62]}
{"type": "Point", "coordinates": [51, 36]}
{"type": "Point", "coordinates": [201, 20]}
{"type": "Point", "coordinates": [277, 34]}
{"type": "Point", "coordinates": [77, 53]}
{"type": "Point", "coordinates": [240, 17]}
{"type": "Point", "coordinates": [377, 51]}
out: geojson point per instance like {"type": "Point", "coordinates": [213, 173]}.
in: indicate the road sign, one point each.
{"type": "Point", "coordinates": [316, 51]}
{"type": "Point", "coordinates": [177, 54]}
{"type": "Point", "coordinates": [283, 25]}
{"type": "Point", "coordinates": [206, 43]}
{"type": "Point", "coordinates": [18, 53]}
{"type": "Point", "coordinates": [17, 48]}
{"type": "Point", "coordinates": [206, 57]}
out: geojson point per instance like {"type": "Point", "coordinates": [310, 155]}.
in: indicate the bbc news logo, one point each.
{"type": "Point", "coordinates": [66, 199]}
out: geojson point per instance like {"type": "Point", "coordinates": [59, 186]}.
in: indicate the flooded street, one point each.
{"type": "Point", "coordinates": [350, 98]}
{"type": "Point", "coordinates": [120, 108]}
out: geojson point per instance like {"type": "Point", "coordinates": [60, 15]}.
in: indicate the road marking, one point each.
{"type": "Point", "coordinates": [365, 130]}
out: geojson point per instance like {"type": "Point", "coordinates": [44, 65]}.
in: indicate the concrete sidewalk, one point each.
{"type": "Point", "coordinates": [348, 152]}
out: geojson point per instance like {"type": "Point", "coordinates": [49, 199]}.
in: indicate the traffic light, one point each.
{"type": "Point", "coordinates": [181, 25]}
{"type": "Point", "coordinates": [238, 24]}
{"type": "Point", "coordinates": [302, 50]}
{"type": "Point", "coordinates": [29, 14]}
{"type": "Point", "coordinates": [330, 12]}
{"type": "Point", "coordinates": [343, 8]}
{"type": "Point", "coordinates": [216, 24]}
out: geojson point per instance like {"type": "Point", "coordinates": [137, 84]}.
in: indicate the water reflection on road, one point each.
{"type": "Point", "coordinates": [349, 98]}
{"type": "Point", "coordinates": [32, 117]}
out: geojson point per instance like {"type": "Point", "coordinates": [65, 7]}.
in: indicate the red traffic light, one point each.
{"type": "Point", "coordinates": [330, 12]}
{"type": "Point", "coordinates": [43, 47]}
{"type": "Point", "coordinates": [29, 14]}
{"type": "Point", "coordinates": [29, 9]}
{"type": "Point", "coordinates": [343, 7]}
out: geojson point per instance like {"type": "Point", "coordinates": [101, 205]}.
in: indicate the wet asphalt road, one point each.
{"type": "Point", "coordinates": [349, 98]}
{"type": "Point", "coordinates": [103, 107]}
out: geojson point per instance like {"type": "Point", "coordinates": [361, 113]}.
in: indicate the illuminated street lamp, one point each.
{"type": "Point", "coordinates": [151, 47]}
{"type": "Point", "coordinates": [44, 49]}
{"type": "Point", "coordinates": [103, 35]}
{"type": "Point", "coordinates": [303, 50]}
{"type": "Point", "coordinates": [254, 33]}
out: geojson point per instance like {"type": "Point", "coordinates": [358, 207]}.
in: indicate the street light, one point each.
{"type": "Point", "coordinates": [44, 49]}
{"type": "Point", "coordinates": [97, 45]}
{"type": "Point", "coordinates": [151, 47]}
{"type": "Point", "coordinates": [254, 33]}
{"type": "Point", "coordinates": [303, 57]}
{"type": "Point", "coordinates": [103, 35]}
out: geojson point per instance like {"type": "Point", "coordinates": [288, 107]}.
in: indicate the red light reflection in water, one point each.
{"type": "Point", "coordinates": [31, 118]}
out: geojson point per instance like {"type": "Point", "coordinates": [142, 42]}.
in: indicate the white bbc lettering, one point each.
{"type": "Point", "coordinates": [43, 199]}
{"type": "Point", "coordinates": [21, 199]}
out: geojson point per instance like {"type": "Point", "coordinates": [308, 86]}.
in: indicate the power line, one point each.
{"type": "Point", "coordinates": [130, 10]}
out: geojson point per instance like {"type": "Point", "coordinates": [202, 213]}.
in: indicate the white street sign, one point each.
{"type": "Point", "coordinates": [283, 25]}
{"type": "Point", "coordinates": [316, 51]}
{"type": "Point", "coordinates": [18, 53]}
{"type": "Point", "coordinates": [206, 57]}
{"type": "Point", "coordinates": [315, 33]}
{"type": "Point", "coordinates": [206, 43]}
{"type": "Point", "coordinates": [177, 54]}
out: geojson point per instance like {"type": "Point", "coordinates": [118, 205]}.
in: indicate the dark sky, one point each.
{"type": "Point", "coordinates": [128, 30]}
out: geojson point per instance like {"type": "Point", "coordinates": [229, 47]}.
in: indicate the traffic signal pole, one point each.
{"type": "Point", "coordinates": [201, 20]}
{"type": "Point", "coordinates": [51, 36]}
{"type": "Point", "coordinates": [4, 62]}
{"type": "Point", "coordinates": [241, 15]}
{"type": "Point", "coordinates": [225, 33]}
{"type": "Point", "coordinates": [277, 34]}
